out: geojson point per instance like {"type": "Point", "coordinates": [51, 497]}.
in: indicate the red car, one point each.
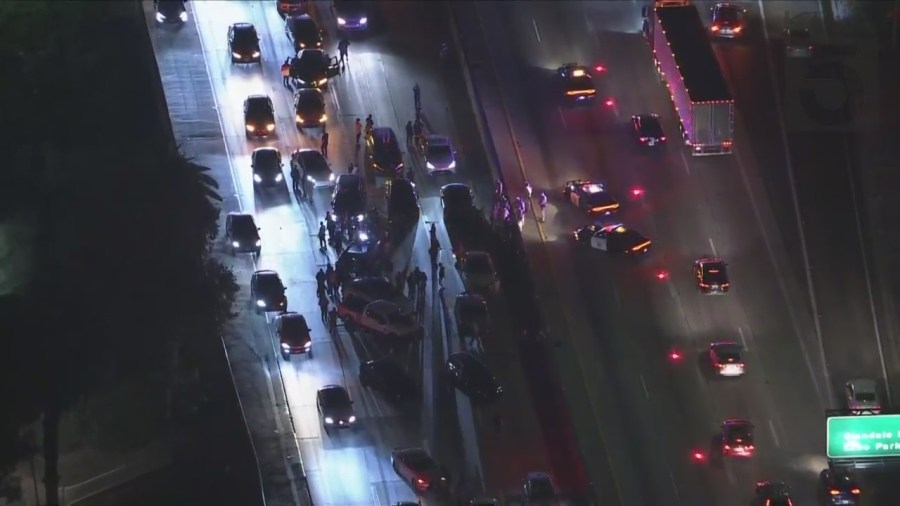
{"type": "Point", "coordinates": [293, 334]}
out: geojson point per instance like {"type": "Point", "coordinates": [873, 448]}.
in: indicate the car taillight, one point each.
{"type": "Point", "coordinates": [420, 481]}
{"type": "Point", "coordinates": [854, 491]}
{"type": "Point", "coordinates": [610, 102]}
{"type": "Point", "coordinates": [600, 68]}
{"type": "Point", "coordinates": [834, 492]}
{"type": "Point", "coordinates": [737, 29]}
{"type": "Point", "coordinates": [727, 447]}
{"type": "Point", "coordinates": [714, 28]}
{"type": "Point", "coordinates": [726, 144]}
{"type": "Point", "coordinates": [663, 138]}
{"type": "Point", "coordinates": [645, 139]}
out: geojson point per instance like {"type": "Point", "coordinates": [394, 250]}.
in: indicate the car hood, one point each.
{"type": "Point", "coordinates": [295, 338]}
{"type": "Point", "coordinates": [245, 46]}
{"type": "Point", "coordinates": [311, 107]}
{"type": "Point", "coordinates": [440, 160]}
{"type": "Point", "coordinates": [338, 412]}
{"type": "Point", "coordinates": [350, 11]}
{"type": "Point", "coordinates": [267, 168]}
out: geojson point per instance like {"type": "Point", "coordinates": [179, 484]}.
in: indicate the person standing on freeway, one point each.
{"type": "Point", "coordinates": [357, 128]}
{"type": "Point", "coordinates": [542, 203]}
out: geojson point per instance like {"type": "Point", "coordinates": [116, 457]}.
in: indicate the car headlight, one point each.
{"type": "Point", "coordinates": [160, 17]}
{"type": "Point", "coordinates": [321, 82]}
{"type": "Point", "coordinates": [236, 55]}
{"type": "Point", "coordinates": [329, 420]}
{"type": "Point", "coordinates": [429, 165]}
{"type": "Point", "coordinates": [299, 119]}
{"type": "Point", "coordinates": [360, 218]}
{"type": "Point", "coordinates": [351, 419]}
{"type": "Point", "coordinates": [318, 44]}
{"type": "Point", "coordinates": [302, 45]}
{"type": "Point", "coordinates": [236, 244]}
{"type": "Point", "coordinates": [278, 178]}
{"type": "Point", "coordinates": [270, 127]}
{"type": "Point", "coordinates": [331, 177]}
{"type": "Point", "coordinates": [255, 54]}
{"type": "Point", "coordinates": [341, 21]}
{"type": "Point", "coordinates": [363, 21]}
{"type": "Point", "coordinates": [452, 165]}
{"type": "Point", "coordinates": [310, 179]}
{"type": "Point", "coordinates": [285, 346]}
{"type": "Point", "coordinates": [259, 242]}
{"type": "Point", "coordinates": [308, 345]}
{"type": "Point", "coordinates": [324, 118]}
{"type": "Point", "coordinates": [183, 16]}
{"type": "Point", "coordinates": [256, 178]}
{"type": "Point", "coordinates": [250, 128]}
{"type": "Point", "coordinates": [363, 236]}
{"type": "Point", "coordinates": [261, 303]}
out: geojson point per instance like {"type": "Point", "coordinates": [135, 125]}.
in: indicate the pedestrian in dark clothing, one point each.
{"type": "Point", "coordinates": [323, 307]}
{"type": "Point", "coordinates": [433, 254]}
{"type": "Point", "coordinates": [343, 45]}
{"type": "Point", "coordinates": [357, 127]}
{"type": "Point", "coordinates": [338, 242]}
{"type": "Point", "coordinates": [286, 73]}
{"type": "Point", "coordinates": [295, 178]}
{"type": "Point", "coordinates": [350, 168]}
{"type": "Point", "coordinates": [332, 322]}
{"type": "Point", "coordinates": [411, 285]}
{"type": "Point", "coordinates": [320, 280]}
{"type": "Point", "coordinates": [409, 133]}
{"type": "Point", "coordinates": [330, 226]}
{"type": "Point", "coordinates": [322, 230]}
{"type": "Point", "coordinates": [441, 274]}
{"type": "Point", "coordinates": [398, 280]}
{"type": "Point", "coordinates": [331, 280]}
{"type": "Point", "coordinates": [325, 143]}
{"type": "Point", "coordinates": [417, 97]}
{"type": "Point", "coordinates": [410, 175]}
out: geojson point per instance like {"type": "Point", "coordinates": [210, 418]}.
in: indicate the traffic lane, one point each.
{"type": "Point", "coordinates": [689, 280]}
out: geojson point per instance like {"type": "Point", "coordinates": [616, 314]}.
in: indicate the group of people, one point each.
{"type": "Point", "coordinates": [504, 212]}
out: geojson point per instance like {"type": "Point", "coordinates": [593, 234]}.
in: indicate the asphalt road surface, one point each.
{"type": "Point", "coordinates": [353, 468]}
{"type": "Point", "coordinates": [733, 207]}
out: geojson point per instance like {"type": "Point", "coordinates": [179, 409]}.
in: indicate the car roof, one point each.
{"type": "Point", "coordinates": [737, 422]}
{"type": "Point", "coordinates": [438, 140]}
{"type": "Point", "coordinates": [455, 187]}
{"type": "Point", "coordinates": [589, 187]}
{"type": "Point", "coordinates": [411, 451]}
{"type": "Point", "coordinates": [291, 315]}
{"type": "Point", "coordinates": [726, 346]}
{"type": "Point", "coordinates": [311, 51]}
{"type": "Point", "coordinates": [538, 475]}
{"type": "Point", "coordinates": [257, 98]}
{"type": "Point", "coordinates": [243, 25]}
{"type": "Point", "coordinates": [863, 384]}
{"type": "Point", "coordinates": [332, 387]}
{"type": "Point", "coordinates": [308, 152]}
{"type": "Point", "coordinates": [348, 179]}
{"type": "Point", "coordinates": [265, 273]}
{"type": "Point", "coordinates": [470, 298]}
{"type": "Point", "coordinates": [647, 115]}
{"type": "Point", "coordinates": [238, 214]}
{"type": "Point", "coordinates": [309, 92]}
{"type": "Point", "coordinates": [266, 149]}
{"type": "Point", "coordinates": [710, 260]}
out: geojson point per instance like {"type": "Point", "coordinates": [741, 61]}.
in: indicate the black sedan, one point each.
{"type": "Point", "coordinates": [838, 488]}
{"type": "Point", "coordinates": [402, 202]}
{"type": "Point", "coordinates": [309, 108]}
{"type": "Point", "coordinates": [648, 130]}
{"type": "Point", "coordinates": [267, 292]}
{"type": "Point", "coordinates": [170, 11]}
{"type": "Point", "coordinates": [389, 379]}
{"type": "Point", "coordinates": [303, 32]}
{"type": "Point", "coordinates": [335, 408]}
{"type": "Point", "coordinates": [351, 14]}
{"type": "Point", "coordinates": [312, 68]}
{"type": "Point", "coordinates": [712, 275]}
{"type": "Point", "coordinates": [243, 43]}
{"type": "Point", "coordinates": [266, 165]}
{"type": "Point", "coordinates": [473, 378]}
{"type": "Point", "coordinates": [259, 116]}
{"type": "Point", "coordinates": [727, 21]}
{"type": "Point", "coordinates": [242, 234]}
{"type": "Point", "coordinates": [349, 197]}
{"type": "Point", "coordinates": [313, 167]}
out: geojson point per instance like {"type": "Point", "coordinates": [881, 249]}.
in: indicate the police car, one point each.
{"type": "Point", "coordinates": [712, 275]}
{"type": "Point", "coordinates": [577, 82]}
{"type": "Point", "coordinates": [590, 197]}
{"type": "Point", "coordinates": [615, 239]}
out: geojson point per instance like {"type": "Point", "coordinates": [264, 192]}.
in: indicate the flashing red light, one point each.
{"type": "Point", "coordinates": [698, 456]}
{"type": "Point", "coordinates": [662, 275]}
{"type": "Point", "coordinates": [610, 102]}
{"type": "Point", "coordinates": [637, 191]}
{"type": "Point", "coordinates": [675, 355]}
{"type": "Point", "coordinates": [600, 68]}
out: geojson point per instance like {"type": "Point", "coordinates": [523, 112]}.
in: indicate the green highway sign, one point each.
{"type": "Point", "coordinates": [863, 436]}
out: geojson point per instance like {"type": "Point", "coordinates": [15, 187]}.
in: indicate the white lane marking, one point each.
{"type": "Point", "coordinates": [730, 474]}
{"type": "Point", "coordinates": [644, 386]}
{"type": "Point", "coordinates": [774, 433]}
{"type": "Point", "coordinates": [687, 168]}
{"type": "Point", "coordinates": [712, 247]}
{"type": "Point", "coordinates": [618, 297]}
{"type": "Point", "coordinates": [799, 223]}
{"type": "Point", "coordinates": [675, 488]}
{"type": "Point", "coordinates": [743, 339]}
{"type": "Point", "coordinates": [562, 117]}
{"type": "Point", "coordinates": [537, 33]}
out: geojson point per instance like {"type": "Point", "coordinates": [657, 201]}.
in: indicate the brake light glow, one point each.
{"type": "Point", "coordinates": [726, 144]}
{"type": "Point", "coordinates": [698, 456]}
{"type": "Point", "coordinates": [714, 28]}
{"type": "Point", "coordinates": [645, 139]}
{"type": "Point", "coordinates": [420, 480]}
{"type": "Point", "coordinates": [663, 138]}
{"type": "Point", "coordinates": [675, 355]}
{"type": "Point", "coordinates": [610, 102]}
{"type": "Point", "coordinates": [737, 29]}
{"type": "Point", "coordinates": [637, 191]}
{"type": "Point", "coordinates": [600, 68]}
{"type": "Point", "coordinates": [662, 275]}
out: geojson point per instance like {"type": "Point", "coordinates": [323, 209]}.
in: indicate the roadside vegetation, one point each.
{"type": "Point", "coordinates": [107, 282]}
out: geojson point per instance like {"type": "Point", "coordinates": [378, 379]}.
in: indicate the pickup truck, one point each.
{"type": "Point", "coordinates": [381, 317]}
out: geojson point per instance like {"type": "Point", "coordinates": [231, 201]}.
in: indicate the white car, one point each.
{"type": "Point", "coordinates": [862, 396]}
{"type": "Point", "coordinates": [439, 154]}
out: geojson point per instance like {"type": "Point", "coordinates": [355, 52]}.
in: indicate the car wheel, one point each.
{"type": "Point", "coordinates": [309, 355]}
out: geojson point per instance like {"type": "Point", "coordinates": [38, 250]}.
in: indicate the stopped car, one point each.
{"type": "Point", "coordinates": [389, 379]}
{"type": "Point", "coordinates": [772, 493]}
{"type": "Point", "coordinates": [468, 374]}
{"type": "Point", "coordinates": [313, 167]}
{"type": "Point", "coordinates": [862, 396]}
{"type": "Point", "coordinates": [385, 155]}
{"type": "Point", "coordinates": [266, 165]}
{"type": "Point", "coordinates": [259, 116]}
{"type": "Point", "coordinates": [349, 196]}
{"type": "Point", "coordinates": [590, 197]}
{"type": "Point", "coordinates": [726, 358]}
{"type": "Point", "coordinates": [471, 314]}
{"type": "Point", "coordinates": [356, 260]}
{"type": "Point", "coordinates": [712, 275]}
{"type": "Point", "coordinates": [615, 239]}
{"type": "Point", "coordinates": [243, 43]}
{"type": "Point", "coordinates": [838, 488]}
{"type": "Point", "coordinates": [727, 21]}
{"type": "Point", "coordinates": [539, 489]}
{"type": "Point", "coordinates": [293, 335]}
{"type": "Point", "coordinates": [798, 43]}
{"type": "Point", "coordinates": [577, 82]}
{"type": "Point", "coordinates": [267, 292]}
{"type": "Point", "coordinates": [351, 14]}
{"type": "Point", "coordinates": [335, 407]}
{"type": "Point", "coordinates": [648, 130]}
{"type": "Point", "coordinates": [736, 438]}
{"type": "Point", "coordinates": [170, 11]}
{"type": "Point", "coordinates": [477, 271]}
{"type": "Point", "coordinates": [439, 155]}
{"type": "Point", "coordinates": [309, 108]}
{"type": "Point", "coordinates": [416, 467]}
{"type": "Point", "coordinates": [383, 318]}
{"type": "Point", "coordinates": [286, 7]}
{"type": "Point", "coordinates": [402, 202]}
{"type": "Point", "coordinates": [303, 32]}
{"type": "Point", "coordinates": [242, 234]}
{"type": "Point", "coordinates": [371, 288]}
{"type": "Point", "coordinates": [457, 200]}
{"type": "Point", "coordinates": [312, 68]}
